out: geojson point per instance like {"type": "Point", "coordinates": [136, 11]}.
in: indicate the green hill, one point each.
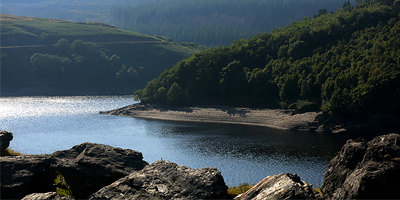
{"type": "Point", "coordinates": [36, 31]}
{"type": "Point", "coordinates": [72, 56]}
{"type": "Point", "coordinates": [72, 10]}
{"type": "Point", "coordinates": [346, 63]}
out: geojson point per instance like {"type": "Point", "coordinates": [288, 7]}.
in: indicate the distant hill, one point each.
{"type": "Point", "coordinates": [31, 31]}
{"type": "Point", "coordinates": [72, 10]}
{"type": "Point", "coordinates": [345, 63]}
{"type": "Point", "coordinates": [82, 56]}
{"type": "Point", "coordinates": [214, 22]}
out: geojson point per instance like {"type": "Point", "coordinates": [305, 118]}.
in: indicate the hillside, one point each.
{"type": "Point", "coordinates": [72, 10]}
{"type": "Point", "coordinates": [345, 63]}
{"type": "Point", "coordinates": [206, 22]}
{"type": "Point", "coordinates": [87, 57]}
{"type": "Point", "coordinates": [36, 31]}
{"type": "Point", "coordinates": [210, 22]}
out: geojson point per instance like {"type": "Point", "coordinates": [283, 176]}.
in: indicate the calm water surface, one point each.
{"type": "Point", "coordinates": [242, 153]}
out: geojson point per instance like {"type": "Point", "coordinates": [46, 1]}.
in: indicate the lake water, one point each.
{"type": "Point", "coordinates": [242, 153]}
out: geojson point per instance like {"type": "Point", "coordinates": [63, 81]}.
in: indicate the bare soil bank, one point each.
{"type": "Point", "coordinates": [273, 118]}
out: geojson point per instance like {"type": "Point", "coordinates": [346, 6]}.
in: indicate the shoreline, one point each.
{"type": "Point", "coordinates": [282, 119]}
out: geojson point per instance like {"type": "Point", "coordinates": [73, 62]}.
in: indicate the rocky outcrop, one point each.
{"type": "Point", "coordinates": [47, 196]}
{"type": "Point", "coordinates": [95, 171]}
{"type": "Point", "coordinates": [21, 175]}
{"type": "Point", "coordinates": [375, 124]}
{"type": "Point", "coordinates": [280, 186]}
{"type": "Point", "coordinates": [166, 180]}
{"type": "Point", "coordinates": [365, 170]}
{"type": "Point", "coordinates": [5, 138]}
{"type": "Point", "coordinates": [88, 167]}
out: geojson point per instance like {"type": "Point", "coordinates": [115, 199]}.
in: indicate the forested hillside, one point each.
{"type": "Point", "coordinates": [345, 63]}
{"type": "Point", "coordinates": [81, 58]}
{"type": "Point", "coordinates": [211, 22]}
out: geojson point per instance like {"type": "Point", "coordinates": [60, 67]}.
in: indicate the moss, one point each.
{"type": "Point", "coordinates": [62, 186]}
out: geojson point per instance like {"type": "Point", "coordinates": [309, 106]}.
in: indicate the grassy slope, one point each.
{"type": "Point", "coordinates": [16, 26]}
{"type": "Point", "coordinates": [20, 27]}
{"type": "Point", "coordinates": [21, 37]}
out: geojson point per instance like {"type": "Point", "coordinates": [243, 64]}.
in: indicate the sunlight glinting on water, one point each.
{"type": "Point", "coordinates": [50, 106]}
{"type": "Point", "coordinates": [242, 153]}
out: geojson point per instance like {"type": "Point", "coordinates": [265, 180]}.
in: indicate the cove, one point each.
{"type": "Point", "coordinates": [43, 125]}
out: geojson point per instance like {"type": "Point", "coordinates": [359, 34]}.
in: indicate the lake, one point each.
{"type": "Point", "coordinates": [244, 154]}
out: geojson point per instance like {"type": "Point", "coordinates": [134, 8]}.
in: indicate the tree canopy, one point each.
{"type": "Point", "coordinates": [346, 63]}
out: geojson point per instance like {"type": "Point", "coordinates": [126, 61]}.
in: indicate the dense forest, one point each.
{"type": "Point", "coordinates": [210, 22]}
{"type": "Point", "coordinates": [346, 63]}
{"type": "Point", "coordinates": [81, 58]}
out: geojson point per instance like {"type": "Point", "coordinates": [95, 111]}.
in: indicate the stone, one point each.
{"type": "Point", "coordinates": [365, 170]}
{"type": "Point", "coordinates": [47, 196]}
{"type": "Point", "coordinates": [378, 124]}
{"type": "Point", "coordinates": [5, 138]}
{"type": "Point", "coordinates": [166, 180]}
{"type": "Point", "coordinates": [22, 175]}
{"type": "Point", "coordinates": [280, 186]}
{"type": "Point", "coordinates": [88, 167]}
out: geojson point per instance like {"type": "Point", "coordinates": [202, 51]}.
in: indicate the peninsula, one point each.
{"type": "Point", "coordinates": [283, 119]}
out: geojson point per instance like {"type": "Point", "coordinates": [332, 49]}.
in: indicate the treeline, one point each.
{"type": "Point", "coordinates": [211, 22]}
{"type": "Point", "coordinates": [345, 63]}
{"type": "Point", "coordinates": [67, 56]}
{"type": "Point", "coordinates": [87, 68]}
{"type": "Point", "coordinates": [80, 66]}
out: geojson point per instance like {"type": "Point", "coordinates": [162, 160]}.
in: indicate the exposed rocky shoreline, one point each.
{"type": "Point", "coordinates": [274, 118]}
{"type": "Point", "coordinates": [284, 119]}
{"type": "Point", "coordinates": [362, 169]}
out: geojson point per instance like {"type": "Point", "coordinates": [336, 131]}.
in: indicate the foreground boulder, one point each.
{"type": "Point", "coordinates": [47, 196]}
{"type": "Point", "coordinates": [5, 138]}
{"type": "Point", "coordinates": [88, 167]}
{"type": "Point", "coordinates": [21, 175]}
{"type": "Point", "coordinates": [166, 180]}
{"type": "Point", "coordinates": [280, 186]}
{"type": "Point", "coordinates": [365, 170]}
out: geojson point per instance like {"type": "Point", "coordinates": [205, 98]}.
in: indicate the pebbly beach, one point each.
{"type": "Point", "coordinates": [273, 118]}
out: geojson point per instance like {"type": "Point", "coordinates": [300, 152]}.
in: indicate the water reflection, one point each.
{"type": "Point", "coordinates": [249, 153]}
{"type": "Point", "coordinates": [248, 141]}
{"type": "Point", "coordinates": [241, 153]}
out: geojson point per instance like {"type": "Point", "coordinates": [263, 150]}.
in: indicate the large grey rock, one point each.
{"type": "Point", "coordinates": [22, 175]}
{"type": "Point", "coordinates": [166, 180]}
{"type": "Point", "coordinates": [365, 170]}
{"type": "Point", "coordinates": [5, 138]}
{"type": "Point", "coordinates": [47, 196]}
{"type": "Point", "coordinates": [280, 186]}
{"type": "Point", "coordinates": [88, 167]}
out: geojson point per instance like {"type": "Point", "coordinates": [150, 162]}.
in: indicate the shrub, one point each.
{"type": "Point", "coordinates": [234, 191]}
{"type": "Point", "coordinates": [10, 152]}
